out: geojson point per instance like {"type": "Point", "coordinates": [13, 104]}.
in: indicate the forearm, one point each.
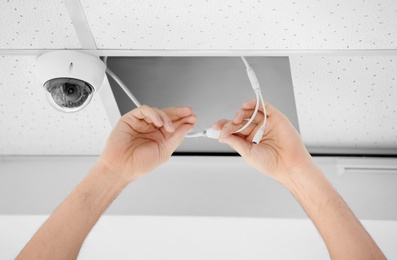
{"type": "Point", "coordinates": [343, 234]}
{"type": "Point", "coordinates": [63, 233]}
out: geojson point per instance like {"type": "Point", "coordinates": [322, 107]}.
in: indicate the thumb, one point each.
{"type": "Point", "coordinates": [177, 137]}
{"type": "Point", "coordinates": [237, 143]}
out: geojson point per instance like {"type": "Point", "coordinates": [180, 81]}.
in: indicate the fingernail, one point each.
{"type": "Point", "coordinates": [158, 121]}
{"type": "Point", "coordinates": [221, 140]}
{"type": "Point", "coordinates": [171, 126]}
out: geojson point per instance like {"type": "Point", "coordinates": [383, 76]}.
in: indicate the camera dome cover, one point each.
{"type": "Point", "coordinates": [68, 95]}
{"type": "Point", "coordinates": [70, 78]}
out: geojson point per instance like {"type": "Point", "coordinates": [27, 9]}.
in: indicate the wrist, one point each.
{"type": "Point", "coordinates": [113, 174]}
{"type": "Point", "coordinates": [311, 188]}
{"type": "Point", "coordinates": [299, 175]}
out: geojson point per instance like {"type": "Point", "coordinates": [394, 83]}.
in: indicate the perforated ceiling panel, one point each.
{"type": "Point", "coordinates": [36, 24]}
{"type": "Point", "coordinates": [341, 101]}
{"type": "Point", "coordinates": [29, 125]}
{"type": "Point", "coordinates": [201, 24]}
{"type": "Point", "coordinates": [346, 101]}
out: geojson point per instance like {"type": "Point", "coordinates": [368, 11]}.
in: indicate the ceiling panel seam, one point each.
{"type": "Point", "coordinates": [87, 41]}
{"type": "Point", "coordinates": [80, 24]}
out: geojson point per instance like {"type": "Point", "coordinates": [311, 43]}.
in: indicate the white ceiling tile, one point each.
{"type": "Point", "coordinates": [36, 24]}
{"type": "Point", "coordinates": [346, 101]}
{"type": "Point", "coordinates": [29, 125]}
{"type": "Point", "coordinates": [226, 24]}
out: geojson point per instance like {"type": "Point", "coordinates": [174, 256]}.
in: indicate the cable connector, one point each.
{"type": "Point", "coordinates": [253, 80]}
{"type": "Point", "coordinates": [258, 135]}
{"type": "Point", "coordinates": [213, 134]}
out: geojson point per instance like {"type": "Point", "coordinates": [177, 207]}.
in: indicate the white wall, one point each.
{"type": "Point", "coordinates": [190, 208]}
{"type": "Point", "coordinates": [143, 237]}
{"type": "Point", "coordinates": [188, 186]}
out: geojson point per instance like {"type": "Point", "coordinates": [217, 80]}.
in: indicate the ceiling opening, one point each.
{"type": "Point", "coordinates": [215, 87]}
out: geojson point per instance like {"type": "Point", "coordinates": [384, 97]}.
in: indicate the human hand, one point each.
{"type": "Point", "coordinates": [280, 151]}
{"type": "Point", "coordinates": [144, 138]}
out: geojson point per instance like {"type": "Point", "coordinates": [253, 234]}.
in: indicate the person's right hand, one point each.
{"type": "Point", "coordinates": [282, 155]}
{"type": "Point", "coordinates": [281, 150]}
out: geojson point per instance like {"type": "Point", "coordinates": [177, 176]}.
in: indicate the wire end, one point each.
{"type": "Point", "coordinates": [258, 135]}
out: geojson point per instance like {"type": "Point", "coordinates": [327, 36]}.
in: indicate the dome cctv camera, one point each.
{"type": "Point", "coordinates": [69, 78]}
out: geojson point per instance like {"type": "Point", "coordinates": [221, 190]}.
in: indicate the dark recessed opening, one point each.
{"type": "Point", "coordinates": [215, 87]}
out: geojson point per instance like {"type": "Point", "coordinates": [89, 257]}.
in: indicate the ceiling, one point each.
{"type": "Point", "coordinates": [343, 67]}
{"type": "Point", "coordinates": [341, 55]}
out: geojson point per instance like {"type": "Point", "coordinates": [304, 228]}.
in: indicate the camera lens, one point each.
{"type": "Point", "coordinates": [70, 89]}
{"type": "Point", "coordinates": [69, 94]}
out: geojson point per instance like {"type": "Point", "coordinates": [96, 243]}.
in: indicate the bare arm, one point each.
{"type": "Point", "coordinates": [65, 230]}
{"type": "Point", "coordinates": [282, 155]}
{"type": "Point", "coordinates": [342, 232]}
{"type": "Point", "coordinates": [142, 140]}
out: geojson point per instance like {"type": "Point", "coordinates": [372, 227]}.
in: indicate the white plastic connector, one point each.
{"type": "Point", "coordinates": [258, 135]}
{"type": "Point", "coordinates": [213, 134]}
{"type": "Point", "coordinates": [253, 80]}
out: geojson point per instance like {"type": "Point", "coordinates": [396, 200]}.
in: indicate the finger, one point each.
{"type": "Point", "coordinates": [192, 119]}
{"type": "Point", "coordinates": [247, 111]}
{"type": "Point", "coordinates": [243, 114]}
{"type": "Point", "coordinates": [239, 117]}
{"type": "Point", "coordinates": [230, 127]}
{"type": "Point", "coordinates": [238, 143]}
{"type": "Point", "coordinates": [186, 120]}
{"type": "Point", "coordinates": [246, 132]}
{"type": "Point", "coordinates": [252, 103]}
{"type": "Point", "coordinates": [176, 138]}
{"type": "Point", "coordinates": [167, 122]}
{"type": "Point", "coordinates": [176, 113]}
{"type": "Point", "coordinates": [149, 114]}
{"type": "Point", "coordinates": [219, 124]}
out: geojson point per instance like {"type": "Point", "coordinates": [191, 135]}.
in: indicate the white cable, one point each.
{"type": "Point", "coordinates": [124, 87]}
{"type": "Point", "coordinates": [245, 62]}
{"type": "Point", "coordinates": [121, 83]}
{"type": "Point", "coordinates": [259, 134]}
{"type": "Point", "coordinates": [264, 110]}
{"type": "Point", "coordinates": [199, 134]}
{"type": "Point", "coordinates": [256, 87]}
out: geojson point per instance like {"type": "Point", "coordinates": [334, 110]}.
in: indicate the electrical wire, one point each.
{"type": "Point", "coordinates": [259, 98]}
{"type": "Point", "coordinates": [264, 110]}
{"type": "Point", "coordinates": [124, 87]}
{"type": "Point", "coordinates": [198, 134]}
{"type": "Point", "coordinates": [121, 83]}
{"type": "Point", "coordinates": [245, 62]}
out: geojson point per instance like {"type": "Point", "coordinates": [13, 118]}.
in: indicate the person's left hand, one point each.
{"type": "Point", "coordinates": [144, 138]}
